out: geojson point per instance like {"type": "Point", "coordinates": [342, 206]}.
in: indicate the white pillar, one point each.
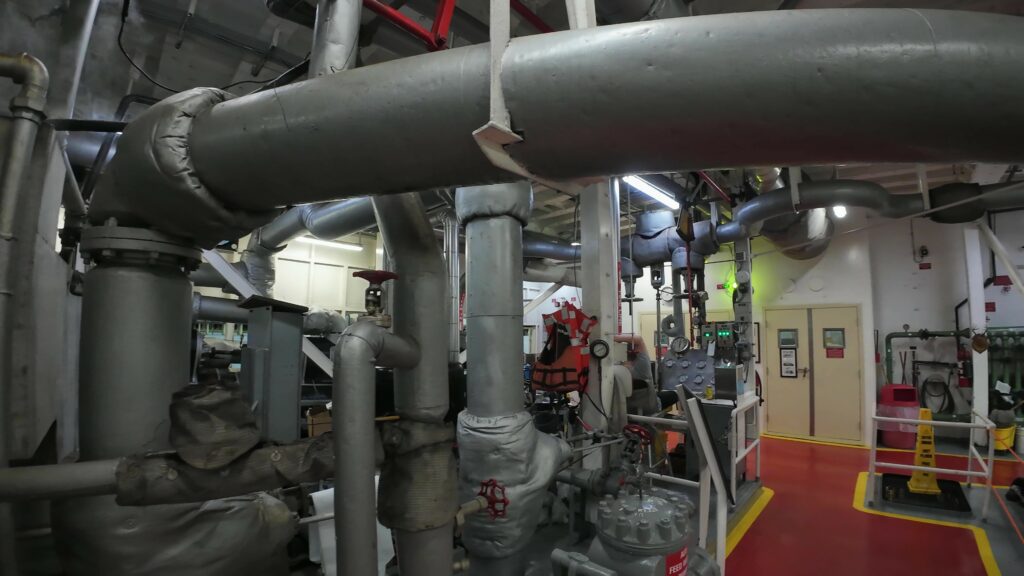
{"type": "Point", "coordinates": [599, 224]}
{"type": "Point", "coordinates": [976, 309]}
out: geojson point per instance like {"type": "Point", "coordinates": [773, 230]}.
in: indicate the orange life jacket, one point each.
{"type": "Point", "coordinates": [564, 363]}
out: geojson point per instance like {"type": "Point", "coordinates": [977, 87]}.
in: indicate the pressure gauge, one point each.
{"type": "Point", "coordinates": [599, 349]}
{"type": "Point", "coordinates": [680, 345]}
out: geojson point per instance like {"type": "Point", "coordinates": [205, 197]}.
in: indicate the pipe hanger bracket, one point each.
{"type": "Point", "coordinates": [497, 133]}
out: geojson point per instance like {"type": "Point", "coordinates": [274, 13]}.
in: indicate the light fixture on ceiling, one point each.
{"type": "Point", "coordinates": [652, 191]}
{"type": "Point", "coordinates": [839, 211]}
{"type": "Point", "coordinates": [574, 243]}
{"type": "Point", "coordinates": [329, 244]}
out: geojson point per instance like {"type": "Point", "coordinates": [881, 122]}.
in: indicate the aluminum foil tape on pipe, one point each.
{"type": "Point", "coordinates": [510, 449]}
{"type": "Point", "coordinates": [152, 180]}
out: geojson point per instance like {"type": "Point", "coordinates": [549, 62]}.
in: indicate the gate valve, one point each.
{"type": "Point", "coordinates": [372, 299]}
{"type": "Point", "coordinates": [497, 502]}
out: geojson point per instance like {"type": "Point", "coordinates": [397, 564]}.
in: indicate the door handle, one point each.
{"type": "Point", "coordinates": [804, 371]}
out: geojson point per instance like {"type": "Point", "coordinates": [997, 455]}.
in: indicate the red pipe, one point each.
{"type": "Point", "coordinates": [710, 182]}
{"type": "Point", "coordinates": [443, 21]}
{"type": "Point", "coordinates": [531, 17]}
{"type": "Point", "coordinates": [406, 23]}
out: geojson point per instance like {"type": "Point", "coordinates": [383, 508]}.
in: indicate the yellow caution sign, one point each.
{"type": "Point", "coordinates": [922, 482]}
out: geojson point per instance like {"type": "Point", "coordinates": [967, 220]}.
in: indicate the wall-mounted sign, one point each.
{"type": "Point", "coordinates": [787, 361]}
{"type": "Point", "coordinates": [835, 353]}
{"type": "Point", "coordinates": [787, 337]}
{"type": "Point", "coordinates": [834, 338]}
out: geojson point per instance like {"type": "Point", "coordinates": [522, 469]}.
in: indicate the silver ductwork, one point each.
{"type": "Point", "coordinates": [313, 140]}
{"type": "Point", "coordinates": [497, 440]}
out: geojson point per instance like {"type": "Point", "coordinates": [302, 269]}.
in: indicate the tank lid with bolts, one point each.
{"type": "Point", "coordinates": [656, 522]}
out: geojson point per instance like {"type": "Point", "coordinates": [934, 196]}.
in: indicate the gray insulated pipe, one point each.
{"type": "Point", "coordinates": [417, 492]}
{"type": "Point", "coordinates": [592, 102]}
{"type": "Point", "coordinates": [747, 220]}
{"type": "Point", "coordinates": [497, 439]}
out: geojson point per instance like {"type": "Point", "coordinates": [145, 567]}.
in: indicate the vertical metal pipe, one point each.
{"type": "Point", "coordinates": [335, 36]}
{"type": "Point", "coordinates": [129, 367]}
{"type": "Point", "coordinates": [494, 315]}
{"type": "Point", "coordinates": [355, 526]}
{"type": "Point", "coordinates": [422, 517]}
{"type": "Point", "coordinates": [27, 109]}
{"type": "Point", "coordinates": [451, 254]}
{"type": "Point", "coordinates": [136, 317]}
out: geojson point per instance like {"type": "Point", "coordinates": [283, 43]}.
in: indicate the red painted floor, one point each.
{"type": "Point", "coordinates": [810, 527]}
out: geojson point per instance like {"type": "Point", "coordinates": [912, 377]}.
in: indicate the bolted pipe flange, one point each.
{"type": "Point", "coordinates": [113, 244]}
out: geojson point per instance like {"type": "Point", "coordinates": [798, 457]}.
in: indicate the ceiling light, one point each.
{"type": "Point", "coordinates": [839, 211]}
{"type": "Point", "coordinates": [652, 191]}
{"type": "Point", "coordinates": [341, 245]}
{"type": "Point", "coordinates": [574, 243]}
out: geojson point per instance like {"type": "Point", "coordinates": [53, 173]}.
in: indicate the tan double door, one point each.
{"type": "Point", "coordinates": [813, 384]}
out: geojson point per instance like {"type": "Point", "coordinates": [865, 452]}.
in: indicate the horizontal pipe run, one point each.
{"type": "Point", "coordinates": [858, 72]}
{"type": "Point", "coordinates": [218, 309]}
{"type": "Point", "coordinates": [673, 423]}
{"type": "Point", "coordinates": [58, 481]}
{"type": "Point", "coordinates": [672, 480]}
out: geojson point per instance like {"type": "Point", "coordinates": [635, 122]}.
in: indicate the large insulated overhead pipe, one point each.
{"type": "Point", "coordinates": [818, 73]}
{"type": "Point", "coordinates": [498, 444]}
{"type": "Point", "coordinates": [418, 480]}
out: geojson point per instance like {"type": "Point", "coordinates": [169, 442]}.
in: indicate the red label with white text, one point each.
{"type": "Point", "coordinates": [834, 353]}
{"type": "Point", "coordinates": [675, 563]}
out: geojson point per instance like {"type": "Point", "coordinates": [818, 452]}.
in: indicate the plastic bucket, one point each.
{"type": "Point", "coordinates": [1004, 437]}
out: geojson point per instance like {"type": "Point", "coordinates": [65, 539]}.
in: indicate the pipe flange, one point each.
{"type": "Point", "coordinates": [113, 244]}
{"type": "Point", "coordinates": [514, 199]}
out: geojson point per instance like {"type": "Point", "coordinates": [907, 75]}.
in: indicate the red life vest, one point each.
{"type": "Point", "coordinates": [564, 363]}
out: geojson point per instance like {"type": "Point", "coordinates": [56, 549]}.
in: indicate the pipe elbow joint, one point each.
{"type": "Point", "coordinates": [364, 338]}
{"type": "Point", "coordinates": [152, 181]}
{"type": "Point", "coordinates": [29, 72]}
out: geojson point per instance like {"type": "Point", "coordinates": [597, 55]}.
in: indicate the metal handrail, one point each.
{"type": "Point", "coordinates": [981, 423]}
{"type": "Point", "coordinates": [743, 405]}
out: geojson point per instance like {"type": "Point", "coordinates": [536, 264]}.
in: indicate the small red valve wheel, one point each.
{"type": "Point", "coordinates": [497, 502]}
{"type": "Point", "coordinates": [375, 276]}
{"type": "Point", "coordinates": [638, 433]}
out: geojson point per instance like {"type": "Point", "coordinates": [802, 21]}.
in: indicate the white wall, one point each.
{"type": "Point", "coordinates": [320, 276]}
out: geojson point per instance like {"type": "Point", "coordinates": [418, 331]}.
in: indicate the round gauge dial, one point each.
{"type": "Point", "coordinates": [599, 349]}
{"type": "Point", "coordinates": [680, 345]}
